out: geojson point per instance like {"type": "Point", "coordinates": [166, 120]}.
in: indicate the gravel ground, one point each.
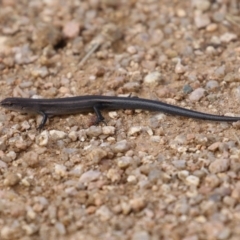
{"type": "Point", "coordinates": [143, 176]}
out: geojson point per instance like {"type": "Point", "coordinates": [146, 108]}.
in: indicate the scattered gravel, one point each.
{"type": "Point", "coordinates": [142, 175]}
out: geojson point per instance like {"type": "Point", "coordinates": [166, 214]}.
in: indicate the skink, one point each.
{"type": "Point", "coordinates": [73, 105]}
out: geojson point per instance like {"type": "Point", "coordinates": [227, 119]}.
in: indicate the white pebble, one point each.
{"type": "Point", "coordinates": [124, 162]}
{"type": "Point", "coordinates": [89, 176]}
{"type": "Point", "coordinates": [219, 165]}
{"type": "Point", "coordinates": [192, 180]}
{"type": "Point", "coordinates": [228, 37]}
{"type": "Point", "coordinates": [132, 50]}
{"type": "Point", "coordinates": [25, 125]}
{"type": "Point", "coordinates": [11, 155]}
{"type": "Point", "coordinates": [132, 179]}
{"type": "Point", "coordinates": [113, 114]}
{"type": "Point", "coordinates": [42, 139]}
{"type": "Point", "coordinates": [153, 77]}
{"type": "Point", "coordinates": [202, 5]}
{"type": "Point", "coordinates": [183, 174]}
{"type": "Point", "coordinates": [134, 130]}
{"type": "Point", "coordinates": [201, 20]}
{"type": "Point", "coordinates": [60, 170]}
{"type": "Point", "coordinates": [197, 94]}
{"type": "Point", "coordinates": [73, 136]}
{"type": "Point", "coordinates": [57, 135]}
{"type": "Point", "coordinates": [108, 130]}
{"type": "Point", "coordinates": [179, 68]}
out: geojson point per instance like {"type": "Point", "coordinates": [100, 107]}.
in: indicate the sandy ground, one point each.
{"type": "Point", "coordinates": [145, 175]}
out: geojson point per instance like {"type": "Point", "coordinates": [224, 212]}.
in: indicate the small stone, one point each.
{"type": "Point", "coordinates": [181, 13]}
{"type": "Point", "coordinates": [228, 37]}
{"type": "Point", "coordinates": [96, 154]}
{"type": "Point", "coordinates": [202, 5]}
{"type": "Point", "coordinates": [182, 175]}
{"type": "Point", "coordinates": [232, 77]}
{"type": "Point", "coordinates": [40, 72]}
{"type": "Point", "coordinates": [94, 131]}
{"type": "Point", "coordinates": [71, 29]}
{"type": "Point", "coordinates": [108, 130]}
{"type": "Point", "coordinates": [89, 176]}
{"type": "Point", "coordinates": [141, 235]}
{"type": "Point", "coordinates": [30, 229]}
{"type": "Point", "coordinates": [121, 146]}
{"type": "Point", "coordinates": [42, 139]}
{"type": "Point", "coordinates": [114, 175]}
{"type": "Point", "coordinates": [210, 50]}
{"type": "Point", "coordinates": [212, 84]}
{"type": "Point", "coordinates": [132, 179]}
{"type": "Point", "coordinates": [134, 130]}
{"type": "Point", "coordinates": [60, 170]}
{"type": "Point", "coordinates": [31, 158]}
{"type": "Point", "coordinates": [60, 228]}
{"type": "Point", "coordinates": [137, 204]}
{"type": "Point", "coordinates": [12, 155]}
{"type": "Point", "coordinates": [220, 71]}
{"type": "Point", "coordinates": [124, 162]}
{"type": "Point", "coordinates": [104, 213]}
{"type": "Point", "coordinates": [211, 27]}
{"type": "Point", "coordinates": [192, 180]}
{"type": "Point", "coordinates": [73, 135]}
{"type": "Point", "coordinates": [179, 68]}
{"type": "Point", "coordinates": [201, 20]}
{"type": "Point", "coordinates": [219, 165]}
{"type": "Point", "coordinates": [3, 164]}
{"type": "Point", "coordinates": [197, 94]}
{"type": "Point", "coordinates": [153, 77]}
{"type": "Point", "coordinates": [179, 164]}
{"type": "Point", "coordinates": [25, 125]}
{"type": "Point", "coordinates": [11, 179]}
{"type": "Point", "coordinates": [57, 135]}
{"type": "Point", "coordinates": [132, 50]}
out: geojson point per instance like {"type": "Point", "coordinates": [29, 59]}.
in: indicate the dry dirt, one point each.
{"type": "Point", "coordinates": [145, 175]}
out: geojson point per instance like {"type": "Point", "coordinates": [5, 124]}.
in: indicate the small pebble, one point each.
{"type": "Point", "coordinates": [73, 135]}
{"type": "Point", "coordinates": [89, 176]}
{"type": "Point", "coordinates": [134, 130]}
{"type": "Point", "coordinates": [137, 204]}
{"type": "Point", "coordinates": [201, 20]}
{"type": "Point", "coordinates": [114, 175]}
{"type": "Point", "coordinates": [228, 37]}
{"type": "Point", "coordinates": [12, 155]}
{"type": "Point", "coordinates": [40, 72]}
{"type": "Point", "coordinates": [202, 5]}
{"type": "Point", "coordinates": [108, 130]}
{"type": "Point", "coordinates": [212, 84]}
{"type": "Point", "coordinates": [96, 155]}
{"type": "Point", "coordinates": [121, 146]}
{"type": "Point", "coordinates": [71, 29]}
{"type": "Point", "coordinates": [219, 165]}
{"type": "Point", "coordinates": [104, 213]}
{"type": "Point", "coordinates": [153, 77]}
{"type": "Point", "coordinates": [11, 179]}
{"type": "Point", "coordinates": [31, 158]}
{"type": "Point", "coordinates": [57, 135]}
{"type": "Point", "coordinates": [42, 139]}
{"type": "Point", "coordinates": [141, 235]}
{"type": "Point", "coordinates": [179, 68]}
{"type": "Point", "coordinates": [192, 180]}
{"type": "Point", "coordinates": [124, 162]}
{"type": "Point", "coordinates": [132, 50]}
{"type": "Point", "coordinates": [60, 170]}
{"type": "Point", "coordinates": [94, 131]}
{"type": "Point", "coordinates": [197, 94]}
{"type": "Point", "coordinates": [60, 228]}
